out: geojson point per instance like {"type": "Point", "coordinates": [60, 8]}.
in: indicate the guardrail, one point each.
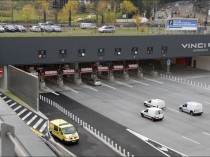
{"type": "Point", "coordinates": [10, 146]}
{"type": "Point", "coordinates": [96, 133]}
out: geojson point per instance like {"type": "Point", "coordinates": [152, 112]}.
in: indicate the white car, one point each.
{"type": "Point", "coordinates": [107, 29]}
{"type": "Point", "coordinates": [56, 28]}
{"type": "Point", "coordinates": [2, 29]}
{"type": "Point", "coordinates": [159, 103]}
{"type": "Point", "coordinates": [192, 107]}
{"type": "Point", "coordinates": [94, 82]}
{"type": "Point", "coordinates": [153, 113]}
{"type": "Point", "coordinates": [35, 29]}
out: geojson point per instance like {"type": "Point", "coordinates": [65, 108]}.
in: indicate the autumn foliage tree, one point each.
{"type": "Point", "coordinates": [28, 13]}
{"type": "Point", "coordinates": [128, 7]}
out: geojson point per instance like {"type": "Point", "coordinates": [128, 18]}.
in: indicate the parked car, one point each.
{"type": "Point", "coordinates": [107, 29]}
{"type": "Point", "coordinates": [35, 29]}
{"type": "Point", "coordinates": [64, 131]}
{"type": "Point", "coordinates": [20, 28]}
{"type": "Point", "coordinates": [159, 103]}
{"type": "Point", "coordinates": [94, 82]}
{"type": "Point", "coordinates": [153, 113]}
{"type": "Point", "coordinates": [56, 28]}
{"type": "Point", "coordinates": [46, 28]}
{"type": "Point", "coordinates": [192, 107]}
{"type": "Point", "coordinates": [9, 28]}
{"type": "Point", "coordinates": [2, 29]}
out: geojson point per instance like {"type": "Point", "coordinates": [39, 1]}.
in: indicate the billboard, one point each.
{"type": "Point", "coordinates": [181, 24]}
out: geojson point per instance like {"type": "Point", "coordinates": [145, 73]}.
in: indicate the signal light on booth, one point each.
{"type": "Point", "coordinates": [134, 51]}
{"type": "Point", "coordinates": [101, 52]}
{"type": "Point", "coordinates": [42, 54]}
{"type": "Point", "coordinates": [118, 51]}
{"type": "Point", "coordinates": [81, 52]}
{"type": "Point", "coordinates": [62, 53]}
{"type": "Point", "coordinates": [164, 49]}
{"type": "Point", "coordinates": [1, 72]}
{"type": "Point", "coordinates": [149, 50]}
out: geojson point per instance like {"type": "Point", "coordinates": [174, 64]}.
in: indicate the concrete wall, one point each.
{"type": "Point", "coordinates": [24, 85]}
{"type": "Point", "coordinates": [25, 50]}
{"type": "Point", "coordinates": [202, 62]}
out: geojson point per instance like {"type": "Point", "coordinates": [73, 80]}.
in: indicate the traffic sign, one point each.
{"type": "Point", "coordinates": [168, 62]}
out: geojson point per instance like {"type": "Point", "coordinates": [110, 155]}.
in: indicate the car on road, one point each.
{"type": "Point", "coordinates": [2, 29]}
{"type": "Point", "coordinates": [94, 82]}
{"type": "Point", "coordinates": [107, 29]}
{"type": "Point", "coordinates": [46, 28]}
{"type": "Point", "coordinates": [153, 113]}
{"type": "Point", "coordinates": [9, 28]}
{"type": "Point", "coordinates": [64, 131]}
{"type": "Point", "coordinates": [56, 28]}
{"type": "Point", "coordinates": [159, 103]}
{"type": "Point", "coordinates": [20, 28]}
{"type": "Point", "coordinates": [35, 29]}
{"type": "Point", "coordinates": [192, 107]}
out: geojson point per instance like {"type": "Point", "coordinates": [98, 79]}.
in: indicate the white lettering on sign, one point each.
{"type": "Point", "coordinates": [86, 69]}
{"type": "Point", "coordinates": [50, 73]}
{"type": "Point", "coordinates": [118, 66]}
{"type": "Point", "coordinates": [103, 68]}
{"type": "Point", "coordinates": [69, 71]}
{"type": "Point", "coordinates": [197, 47]}
{"type": "Point", "coordinates": [133, 66]}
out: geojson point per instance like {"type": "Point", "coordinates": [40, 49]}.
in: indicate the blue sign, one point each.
{"type": "Point", "coordinates": [168, 62]}
{"type": "Point", "coordinates": [181, 24]}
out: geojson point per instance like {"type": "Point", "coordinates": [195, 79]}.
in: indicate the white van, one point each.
{"type": "Point", "coordinates": [192, 108]}
{"type": "Point", "coordinates": [159, 103]}
{"type": "Point", "coordinates": [87, 26]}
{"type": "Point", "coordinates": [153, 113]}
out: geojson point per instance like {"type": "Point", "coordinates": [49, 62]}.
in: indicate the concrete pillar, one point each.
{"type": "Point", "coordinates": [42, 82]}
{"type": "Point", "coordinates": [154, 73]}
{"type": "Point", "coordinates": [168, 69]}
{"type": "Point", "coordinates": [140, 74]}
{"type": "Point", "coordinates": [110, 75]}
{"type": "Point", "coordinates": [77, 75]}
{"type": "Point", "coordinates": [125, 74]}
{"type": "Point", "coordinates": [60, 80]}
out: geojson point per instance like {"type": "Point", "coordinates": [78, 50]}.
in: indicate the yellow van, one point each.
{"type": "Point", "coordinates": [64, 131]}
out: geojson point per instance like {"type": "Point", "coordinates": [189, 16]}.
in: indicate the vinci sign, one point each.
{"type": "Point", "coordinates": [181, 24]}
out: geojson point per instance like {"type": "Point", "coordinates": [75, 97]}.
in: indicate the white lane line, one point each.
{"type": "Point", "coordinates": [90, 88]}
{"type": "Point", "coordinates": [31, 120]}
{"type": "Point", "coordinates": [13, 104]}
{"type": "Point", "coordinates": [108, 86]}
{"type": "Point", "coordinates": [51, 91]}
{"type": "Point", "coordinates": [37, 124]}
{"type": "Point", "coordinates": [21, 112]}
{"type": "Point", "coordinates": [206, 133]}
{"type": "Point", "coordinates": [123, 84]}
{"type": "Point", "coordinates": [207, 102]}
{"type": "Point", "coordinates": [4, 97]}
{"type": "Point", "coordinates": [26, 116]}
{"type": "Point", "coordinates": [68, 88]}
{"type": "Point", "coordinates": [139, 82]}
{"type": "Point", "coordinates": [190, 140]}
{"type": "Point", "coordinates": [17, 108]}
{"type": "Point", "coordinates": [8, 101]}
{"type": "Point", "coordinates": [173, 110]}
{"type": "Point", "coordinates": [153, 80]}
{"type": "Point", "coordinates": [43, 127]}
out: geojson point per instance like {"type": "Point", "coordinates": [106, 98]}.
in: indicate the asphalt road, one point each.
{"type": "Point", "coordinates": [122, 102]}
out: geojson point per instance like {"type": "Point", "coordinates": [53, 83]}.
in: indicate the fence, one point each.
{"type": "Point", "coordinates": [99, 135]}
{"type": "Point", "coordinates": [186, 81]}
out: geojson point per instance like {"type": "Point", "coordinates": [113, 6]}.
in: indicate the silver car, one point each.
{"type": "Point", "coordinates": [94, 82]}
{"type": "Point", "coordinates": [2, 29]}
{"type": "Point", "coordinates": [56, 28]}
{"type": "Point", "coordinates": [107, 29]}
{"type": "Point", "coordinates": [35, 29]}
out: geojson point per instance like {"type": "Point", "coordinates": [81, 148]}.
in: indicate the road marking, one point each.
{"type": "Point", "coordinates": [153, 80]}
{"type": "Point", "coordinates": [68, 88]}
{"type": "Point", "coordinates": [123, 84]}
{"type": "Point", "coordinates": [17, 108]}
{"type": "Point", "coordinates": [206, 133]}
{"type": "Point", "coordinates": [90, 88]}
{"type": "Point", "coordinates": [139, 82]}
{"type": "Point", "coordinates": [4, 97]}
{"type": "Point", "coordinates": [43, 127]}
{"type": "Point", "coordinates": [37, 124]}
{"type": "Point", "coordinates": [13, 104]}
{"type": "Point", "coordinates": [173, 110]}
{"type": "Point", "coordinates": [26, 116]}
{"type": "Point", "coordinates": [207, 102]}
{"type": "Point", "coordinates": [21, 112]}
{"type": "Point", "coordinates": [108, 86]}
{"type": "Point", "coordinates": [190, 140]}
{"type": "Point", "coordinates": [8, 101]}
{"type": "Point", "coordinates": [51, 91]}
{"type": "Point", "coordinates": [31, 120]}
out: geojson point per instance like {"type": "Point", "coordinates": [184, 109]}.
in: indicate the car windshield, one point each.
{"type": "Point", "coordinates": [159, 112]}
{"type": "Point", "coordinates": [10, 26]}
{"type": "Point", "coordinates": [69, 130]}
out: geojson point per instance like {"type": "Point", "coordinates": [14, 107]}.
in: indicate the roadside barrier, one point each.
{"type": "Point", "coordinates": [186, 81]}
{"type": "Point", "coordinates": [99, 135]}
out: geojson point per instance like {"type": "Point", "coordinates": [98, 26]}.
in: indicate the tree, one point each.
{"type": "Point", "coordinates": [148, 6]}
{"type": "Point", "coordinates": [69, 10]}
{"type": "Point", "coordinates": [128, 7]}
{"type": "Point", "coordinates": [28, 13]}
{"type": "Point", "coordinates": [101, 9]}
{"type": "Point", "coordinates": [44, 5]}
{"type": "Point", "coordinates": [137, 21]}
